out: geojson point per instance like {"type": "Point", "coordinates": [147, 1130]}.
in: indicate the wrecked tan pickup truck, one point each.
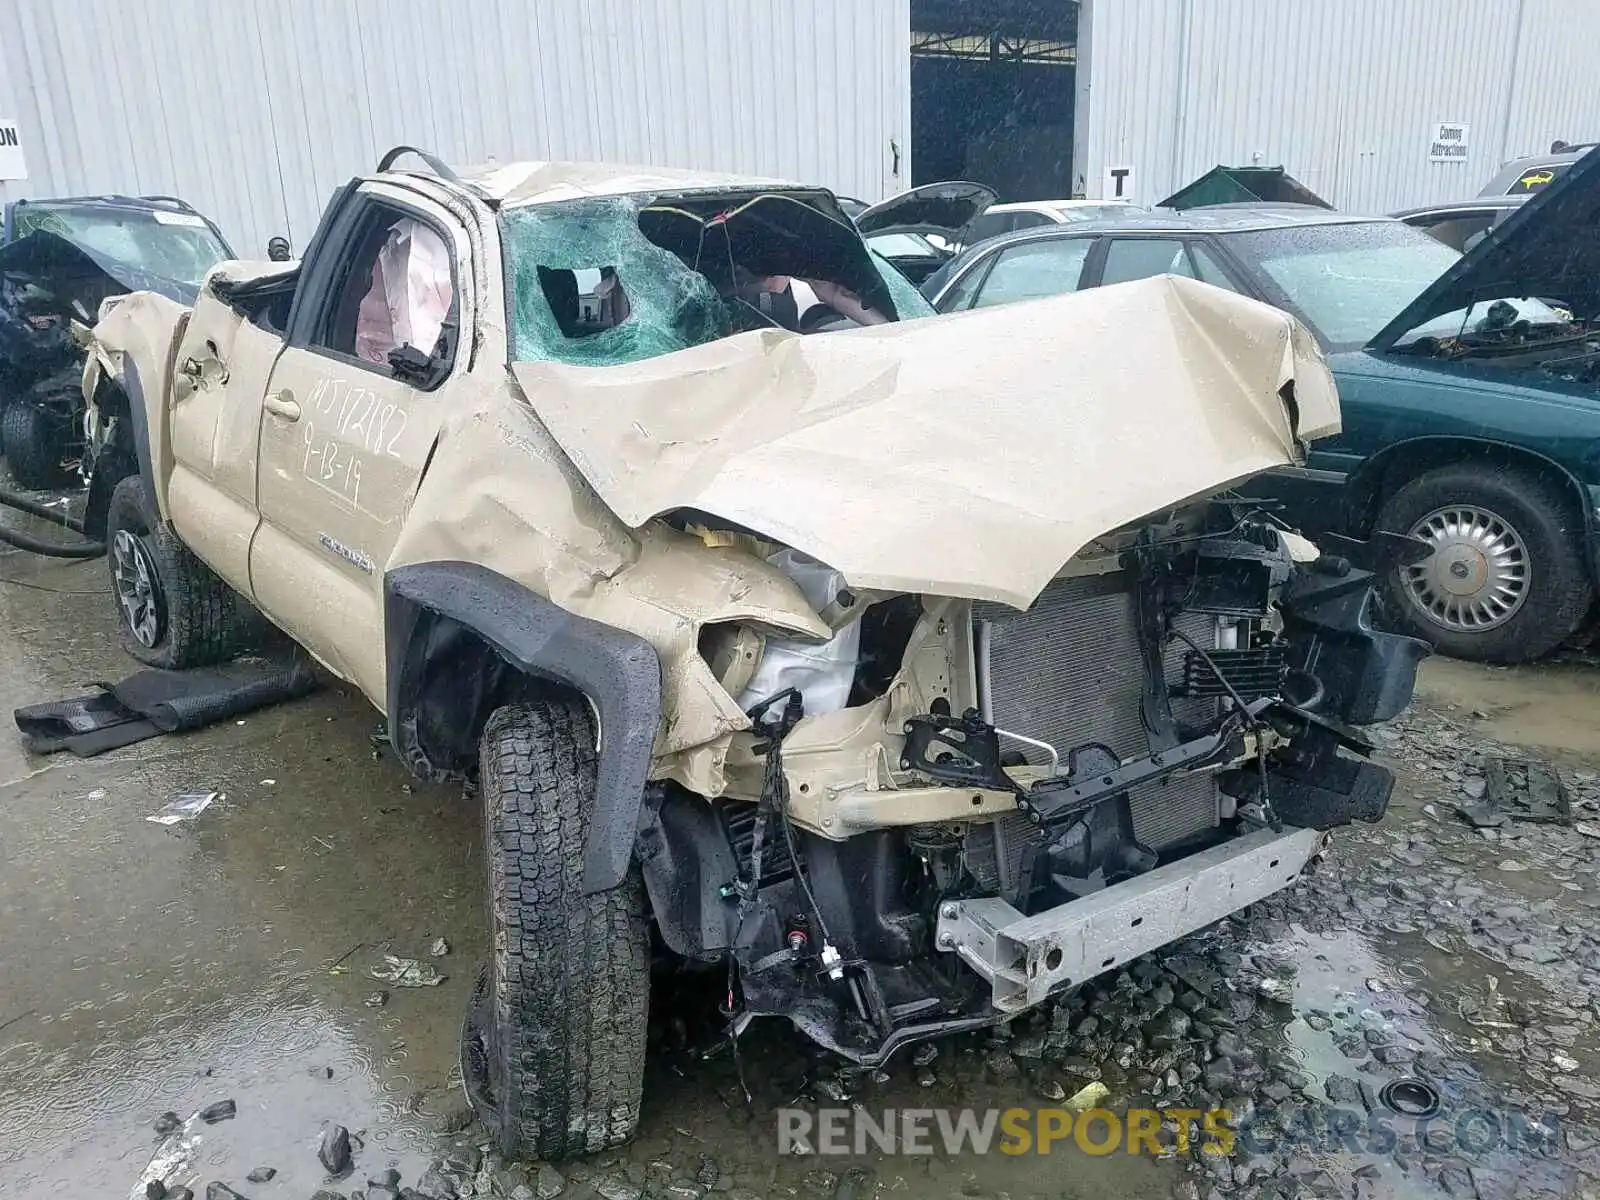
{"type": "Point", "coordinates": [907, 670]}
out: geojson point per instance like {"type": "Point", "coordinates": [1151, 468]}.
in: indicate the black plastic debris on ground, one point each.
{"type": "Point", "coordinates": [1519, 789]}
{"type": "Point", "coordinates": [153, 701]}
{"type": "Point", "coordinates": [1527, 789]}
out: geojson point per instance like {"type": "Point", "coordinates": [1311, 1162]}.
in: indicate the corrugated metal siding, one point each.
{"type": "Point", "coordinates": [1555, 94]}
{"type": "Point", "coordinates": [1344, 93]}
{"type": "Point", "coordinates": [255, 112]}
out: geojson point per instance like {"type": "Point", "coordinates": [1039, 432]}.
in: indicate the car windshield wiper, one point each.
{"type": "Point", "coordinates": [1489, 343]}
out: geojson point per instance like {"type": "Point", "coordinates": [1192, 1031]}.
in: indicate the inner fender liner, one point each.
{"type": "Point", "coordinates": [133, 388]}
{"type": "Point", "coordinates": [618, 671]}
{"type": "Point", "coordinates": [1339, 790]}
{"type": "Point", "coordinates": [1368, 673]}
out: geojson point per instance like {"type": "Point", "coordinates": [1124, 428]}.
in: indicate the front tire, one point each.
{"type": "Point", "coordinates": [34, 446]}
{"type": "Point", "coordinates": [560, 1026]}
{"type": "Point", "coordinates": [1507, 580]}
{"type": "Point", "coordinates": [172, 610]}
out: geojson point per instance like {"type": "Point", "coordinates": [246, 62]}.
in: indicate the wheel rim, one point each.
{"type": "Point", "coordinates": [1478, 576]}
{"type": "Point", "coordinates": [144, 609]}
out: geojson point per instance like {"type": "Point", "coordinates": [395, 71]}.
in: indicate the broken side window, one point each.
{"type": "Point", "coordinates": [909, 303]}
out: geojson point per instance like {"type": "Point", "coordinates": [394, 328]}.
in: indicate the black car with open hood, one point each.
{"type": "Point", "coordinates": [59, 261]}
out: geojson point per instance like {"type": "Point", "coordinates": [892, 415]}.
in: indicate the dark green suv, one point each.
{"type": "Point", "coordinates": [1470, 385]}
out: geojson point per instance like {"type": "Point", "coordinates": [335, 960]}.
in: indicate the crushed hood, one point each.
{"type": "Point", "coordinates": [970, 455]}
{"type": "Point", "coordinates": [932, 208]}
{"type": "Point", "coordinates": [1549, 247]}
{"type": "Point", "coordinates": [70, 269]}
{"type": "Point", "coordinates": [46, 282]}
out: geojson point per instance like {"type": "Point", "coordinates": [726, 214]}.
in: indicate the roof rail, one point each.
{"type": "Point", "coordinates": [178, 200]}
{"type": "Point", "coordinates": [112, 197]}
{"type": "Point", "coordinates": [1560, 147]}
{"type": "Point", "coordinates": [438, 166]}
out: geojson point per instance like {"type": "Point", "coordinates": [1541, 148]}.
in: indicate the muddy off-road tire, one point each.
{"type": "Point", "coordinates": [563, 1014]}
{"type": "Point", "coordinates": [33, 446]}
{"type": "Point", "coordinates": [172, 611]}
{"type": "Point", "coordinates": [1507, 581]}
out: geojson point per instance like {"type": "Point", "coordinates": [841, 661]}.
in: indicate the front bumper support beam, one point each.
{"type": "Point", "coordinates": [1026, 958]}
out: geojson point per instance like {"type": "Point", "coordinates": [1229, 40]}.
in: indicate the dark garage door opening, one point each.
{"type": "Point", "coordinates": [992, 90]}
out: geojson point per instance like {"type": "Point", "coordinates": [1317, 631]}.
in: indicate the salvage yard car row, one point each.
{"type": "Point", "coordinates": [1468, 385]}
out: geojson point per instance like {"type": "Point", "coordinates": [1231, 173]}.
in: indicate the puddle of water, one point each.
{"type": "Point", "coordinates": [151, 969]}
{"type": "Point", "coordinates": [1401, 992]}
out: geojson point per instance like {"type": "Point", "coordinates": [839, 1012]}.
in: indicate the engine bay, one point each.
{"type": "Point", "coordinates": [1184, 687]}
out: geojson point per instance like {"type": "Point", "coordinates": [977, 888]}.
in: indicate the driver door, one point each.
{"type": "Point", "coordinates": [349, 418]}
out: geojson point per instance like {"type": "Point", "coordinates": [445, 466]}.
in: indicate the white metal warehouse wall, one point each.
{"type": "Point", "coordinates": [254, 112]}
{"type": "Point", "coordinates": [1344, 93]}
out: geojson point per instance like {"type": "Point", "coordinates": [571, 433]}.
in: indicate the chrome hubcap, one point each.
{"type": "Point", "coordinates": [1478, 576]}
{"type": "Point", "coordinates": [138, 594]}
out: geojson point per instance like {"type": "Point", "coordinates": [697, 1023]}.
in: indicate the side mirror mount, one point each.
{"type": "Point", "coordinates": [421, 370]}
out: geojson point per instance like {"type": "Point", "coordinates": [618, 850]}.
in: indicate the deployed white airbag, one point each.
{"type": "Point", "coordinates": [822, 674]}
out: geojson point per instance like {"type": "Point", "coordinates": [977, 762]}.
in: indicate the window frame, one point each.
{"type": "Point", "coordinates": [1162, 235]}
{"type": "Point", "coordinates": [981, 266]}
{"type": "Point", "coordinates": [322, 286]}
{"type": "Point", "coordinates": [1000, 251]}
{"type": "Point", "coordinates": [1428, 221]}
{"type": "Point", "coordinates": [1238, 282]}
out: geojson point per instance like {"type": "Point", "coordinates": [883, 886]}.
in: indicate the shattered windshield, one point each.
{"type": "Point", "coordinates": [175, 245]}
{"type": "Point", "coordinates": [1350, 280]}
{"type": "Point", "coordinates": [620, 279]}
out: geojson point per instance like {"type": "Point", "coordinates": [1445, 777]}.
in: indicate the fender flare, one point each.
{"type": "Point", "coordinates": [618, 671]}
{"type": "Point", "coordinates": [132, 387]}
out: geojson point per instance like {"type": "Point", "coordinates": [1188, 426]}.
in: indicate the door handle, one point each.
{"type": "Point", "coordinates": [282, 404]}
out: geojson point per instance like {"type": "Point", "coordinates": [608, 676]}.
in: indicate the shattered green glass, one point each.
{"type": "Point", "coordinates": [909, 303]}
{"type": "Point", "coordinates": [672, 306]}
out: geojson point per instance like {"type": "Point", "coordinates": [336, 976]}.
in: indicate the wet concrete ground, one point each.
{"type": "Point", "coordinates": [145, 969]}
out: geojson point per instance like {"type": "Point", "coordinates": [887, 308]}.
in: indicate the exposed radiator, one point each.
{"type": "Point", "coordinates": [1068, 671]}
